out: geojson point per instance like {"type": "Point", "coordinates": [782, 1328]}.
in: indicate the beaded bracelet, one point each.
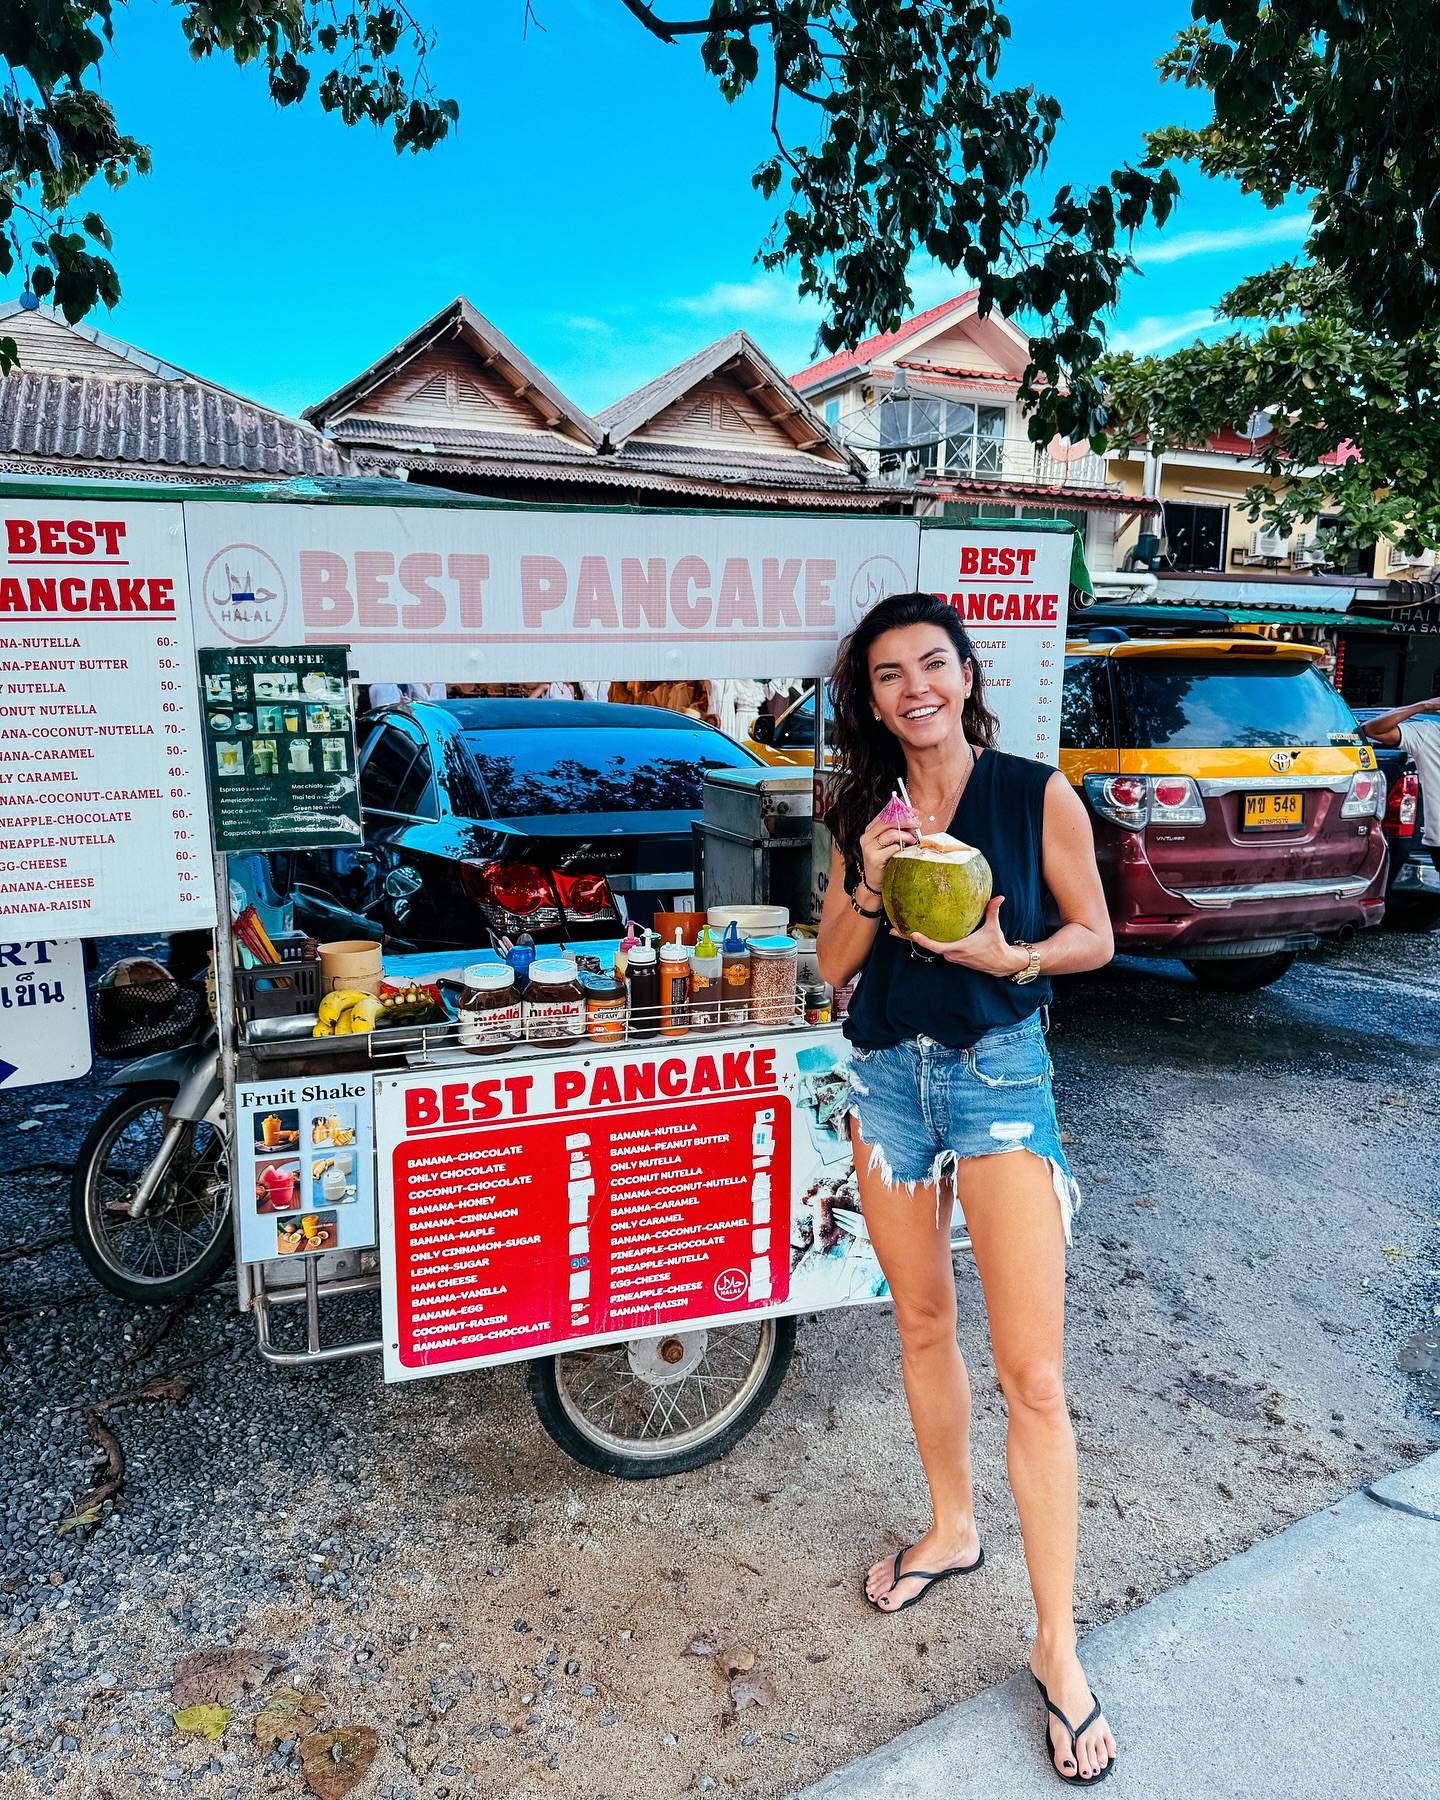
{"type": "Point", "coordinates": [864, 914]}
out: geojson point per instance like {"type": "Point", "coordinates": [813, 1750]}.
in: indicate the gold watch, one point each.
{"type": "Point", "coordinates": [1032, 968]}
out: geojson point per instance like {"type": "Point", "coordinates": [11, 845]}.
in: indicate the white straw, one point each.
{"type": "Point", "coordinates": [905, 793]}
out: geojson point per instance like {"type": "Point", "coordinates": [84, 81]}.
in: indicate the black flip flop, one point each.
{"type": "Point", "coordinates": [926, 1575]}
{"type": "Point", "coordinates": [1075, 1731]}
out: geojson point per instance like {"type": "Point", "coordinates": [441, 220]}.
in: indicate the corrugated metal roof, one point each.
{"type": "Point", "coordinates": [373, 432]}
{"type": "Point", "coordinates": [181, 423]}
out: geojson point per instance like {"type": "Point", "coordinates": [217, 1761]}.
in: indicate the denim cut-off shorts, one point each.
{"type": "Point", "coordinates": [922, 1108]}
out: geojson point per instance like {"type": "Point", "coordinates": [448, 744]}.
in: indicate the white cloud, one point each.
{"type": "Point", "coordinates": [1146, 335]}
{"type": "Point", "coordinates": [1288, 228]}
{"type": "Point", "coordinates": [767, 296]}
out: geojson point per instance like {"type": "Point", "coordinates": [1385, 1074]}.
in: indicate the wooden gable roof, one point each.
{"type": "Point", "coordinates": [727, 397]}
{"type": "Point", "coordinates": [456, 374]}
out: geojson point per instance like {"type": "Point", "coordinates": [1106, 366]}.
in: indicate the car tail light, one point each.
{"type": "Point", "coordinates": [1366, 798]}
{"type": "Point", "coordinates": [585, 899]}
{"type": "Point", "coordinates": [1175, 800]}
{"type": "Point", "coordinates": [512, 896]}
{"type": "Point", "coordinates": [1122, 799]}
{"type": "Point", "coordinates": [1402, 806]}
{"type": "Point", "coordinates": [1134, 801]}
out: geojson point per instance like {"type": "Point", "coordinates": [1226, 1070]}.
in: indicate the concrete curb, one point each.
{"type": "Point", "coordinates": [1301, 1669]}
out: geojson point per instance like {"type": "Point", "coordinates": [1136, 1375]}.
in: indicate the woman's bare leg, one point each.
{"type": "Point", "coordinates": [914, 1253]}
{"type": "Point", "coordinates": [1015, 1227]}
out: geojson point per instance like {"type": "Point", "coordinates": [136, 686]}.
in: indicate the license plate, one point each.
{"type": "Point", "coordinates": [1272, 812]}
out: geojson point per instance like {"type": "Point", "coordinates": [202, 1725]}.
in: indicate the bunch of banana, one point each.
{"type": "Point", "coordinates": [346, 1011]}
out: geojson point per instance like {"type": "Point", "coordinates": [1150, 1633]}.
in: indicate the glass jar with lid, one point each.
{"type": "Point", "coordinates": [773, 964]}
{"type": "Point", "coordinates": [489, 1009]}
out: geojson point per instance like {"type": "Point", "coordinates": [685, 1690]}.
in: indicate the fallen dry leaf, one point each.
{"type": "Point", "coordinates": [334, 1761]}
{"type": "Point", "coordinates": [1144, 1200]}
{"type": "Point", "coordinates": [733, 1657]}
{"type": "Point", "coordinates": [705, 1644]}
{"type": "Point", "coordinates": [281, 1712]}
{"type": "Point", "coordinates": [89, 1516]}
{"type": "Point", "coordinates": [203, 1721]}
{"type": "Point", "coordinates": [1395, 1253]}
{"type": "Point", "coordinates": [749, 1689]}
{"type": "Point", "coordinates": [220, 1676]}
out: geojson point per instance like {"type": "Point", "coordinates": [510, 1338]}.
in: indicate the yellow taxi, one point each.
{"type": "Point", "coordinates": [1237, 810]}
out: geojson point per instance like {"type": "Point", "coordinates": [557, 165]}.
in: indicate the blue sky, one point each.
{"type": "Point", "coordinates": [595, 201]}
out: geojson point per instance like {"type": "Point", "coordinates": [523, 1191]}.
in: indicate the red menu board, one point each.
{"type": "Point", "coordinates": [560, 1202]}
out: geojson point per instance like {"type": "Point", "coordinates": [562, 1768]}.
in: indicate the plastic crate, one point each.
{"type": "Point", "coordinates": [279, 990]}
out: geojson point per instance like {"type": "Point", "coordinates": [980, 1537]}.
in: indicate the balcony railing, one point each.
{"type": "Point", "coordinates": [1016, 460]}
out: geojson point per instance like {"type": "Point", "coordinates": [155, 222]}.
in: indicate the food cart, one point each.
{"type": "Point", "coordinates": [638, 1213]}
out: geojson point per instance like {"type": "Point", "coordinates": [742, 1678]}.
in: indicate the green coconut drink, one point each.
{"type": "Point", "coordinates": [939, 888]}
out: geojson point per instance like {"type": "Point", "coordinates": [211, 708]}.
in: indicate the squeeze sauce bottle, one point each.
{"type": "Point", "coordinates": [622, 950]}
{"type": "Point", "coordinates": [642, 982]}
{"type": "Point", "coordinates": [674, 988]}
{"type": "Point", "coordinates": [734, 977]}
{"type": "Point", "coordinates": [705, 974]}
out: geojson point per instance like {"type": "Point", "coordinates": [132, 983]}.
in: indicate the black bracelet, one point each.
{"type": "Point", "coordinates": [866, 885]}
{"type": "Point", "coordinates": [857, 907]}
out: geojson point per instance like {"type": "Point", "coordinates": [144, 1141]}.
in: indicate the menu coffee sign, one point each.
{"type": "Point", "coordinates": [102, 816]}
{"type": "Point", "coordinates": [279, 749]}
{"type": "Point", "coordinates": [546, 1201]}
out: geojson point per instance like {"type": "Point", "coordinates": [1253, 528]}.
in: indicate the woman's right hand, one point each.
{"type": "Point", "coordinates": [882, 839]}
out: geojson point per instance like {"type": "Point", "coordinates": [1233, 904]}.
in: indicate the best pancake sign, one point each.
{"type": "Point", "coordinates": [102, 824]}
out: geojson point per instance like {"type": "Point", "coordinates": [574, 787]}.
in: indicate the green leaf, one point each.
{"type": "Point", "coordinates": [203, 1721]}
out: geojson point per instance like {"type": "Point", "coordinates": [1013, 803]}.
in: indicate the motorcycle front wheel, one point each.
{"type": "Point", "coordinates": [661, 1405]}
{"type": "Point", "coordinates": [183, 1241]}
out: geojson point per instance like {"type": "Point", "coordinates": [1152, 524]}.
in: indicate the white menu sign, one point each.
{"type": "Point", "coordinates": [1011, 590]}
{"type": "Point", "coordinates": [102, 793]}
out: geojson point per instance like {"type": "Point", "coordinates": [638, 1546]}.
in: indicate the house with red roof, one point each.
{"type": "Point", "coordinates": [932, 407]}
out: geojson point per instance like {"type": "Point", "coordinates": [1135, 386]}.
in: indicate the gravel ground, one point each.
{"type": "Point", "coordinates": [1261, 1236]}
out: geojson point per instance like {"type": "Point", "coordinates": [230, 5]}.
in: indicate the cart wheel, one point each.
{"type": "Point", "coordinates": [660, 1405]}
{"type": "Point", "coordinates": [184, 1241]}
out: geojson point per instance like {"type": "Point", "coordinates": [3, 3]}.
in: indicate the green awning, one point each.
{"type": "Point", "coordinates": [1277, 615]}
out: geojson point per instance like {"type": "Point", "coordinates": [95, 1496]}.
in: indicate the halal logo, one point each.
{"type": "Point", "coordinates": [245, 593]}
{"type": "Point", "coordinates": [1281, 761]}
{"type": "Point", "coordinates": [730, 1284]}
{"type": "Point", "coordinates": [876, 577]}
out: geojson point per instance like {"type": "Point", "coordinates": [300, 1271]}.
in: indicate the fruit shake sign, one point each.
{"type": "Point", "coordinates": [433, 593]}
{"type": "Point", "coordinates": [102, 814]}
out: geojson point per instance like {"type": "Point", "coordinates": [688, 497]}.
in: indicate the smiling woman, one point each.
{"type": "Point", "coordinates": [950, 1099]}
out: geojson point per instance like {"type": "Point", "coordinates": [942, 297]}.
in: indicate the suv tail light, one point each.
{"type": "Point", "coordinates": [1366, 798]}
{"type": "Point", "coordinates": [513, 896]}
{"type": "Point", "coordinates": [585, 899]}
{"type": "Point", "coordinates": [1134, 801]}
{"type": "Point", "coordinates": [1402, 806]}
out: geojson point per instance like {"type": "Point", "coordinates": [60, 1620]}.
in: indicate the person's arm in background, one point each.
{"type": "Point", "coordinates": [1385, 727]}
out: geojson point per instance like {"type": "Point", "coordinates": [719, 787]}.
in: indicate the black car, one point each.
{"type": "Point", "coordinates": [490, 817]}
{"type": "Point", "coordinates": [1412, 896]}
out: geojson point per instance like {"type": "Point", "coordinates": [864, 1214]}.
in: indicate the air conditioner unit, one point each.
{"type": "Point", "coordinates": [1397, 559]}
{"type": "Point", "coordinates": [1268, 543]}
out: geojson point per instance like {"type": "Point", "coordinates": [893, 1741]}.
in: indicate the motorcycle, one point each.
{"type": "Point", "coordinates": [150, 1195]}
{"type": "Point", "coordinates": [150, 1200]}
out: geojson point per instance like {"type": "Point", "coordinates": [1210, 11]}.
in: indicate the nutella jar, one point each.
{"type": "Point", "coordinates": [489, 1008]}
{"type": "Point", "coordinates": [554, 1002]}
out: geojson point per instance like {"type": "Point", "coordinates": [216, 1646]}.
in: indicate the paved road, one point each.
{"type": "Point", "coordinates": [1261, 1237]}
{"type": "Point", "coordinates": [1300, 1668]}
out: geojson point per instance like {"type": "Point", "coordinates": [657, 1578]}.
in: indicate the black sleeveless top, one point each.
{"type": "Point", "coordinates": [904, 994]}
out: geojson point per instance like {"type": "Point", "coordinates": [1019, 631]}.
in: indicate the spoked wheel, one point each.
{"type": "Point", "coordinates": [183, 1241]}
{"type": "Point", "coordinates": [657, 1406]}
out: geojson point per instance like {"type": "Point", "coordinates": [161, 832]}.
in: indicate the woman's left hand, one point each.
{"type": "Point", "coordinates": [986, 948]}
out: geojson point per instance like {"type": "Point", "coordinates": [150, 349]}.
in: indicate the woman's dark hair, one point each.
{"type": "Point", "coordinates": [868, 756]}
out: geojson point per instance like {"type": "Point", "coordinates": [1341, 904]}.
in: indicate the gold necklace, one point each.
{"type": "Point", "coordinates": [951, 800]}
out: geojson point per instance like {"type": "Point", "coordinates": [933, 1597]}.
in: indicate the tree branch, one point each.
{"type": "Point", "coordinates": [668, 30]}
